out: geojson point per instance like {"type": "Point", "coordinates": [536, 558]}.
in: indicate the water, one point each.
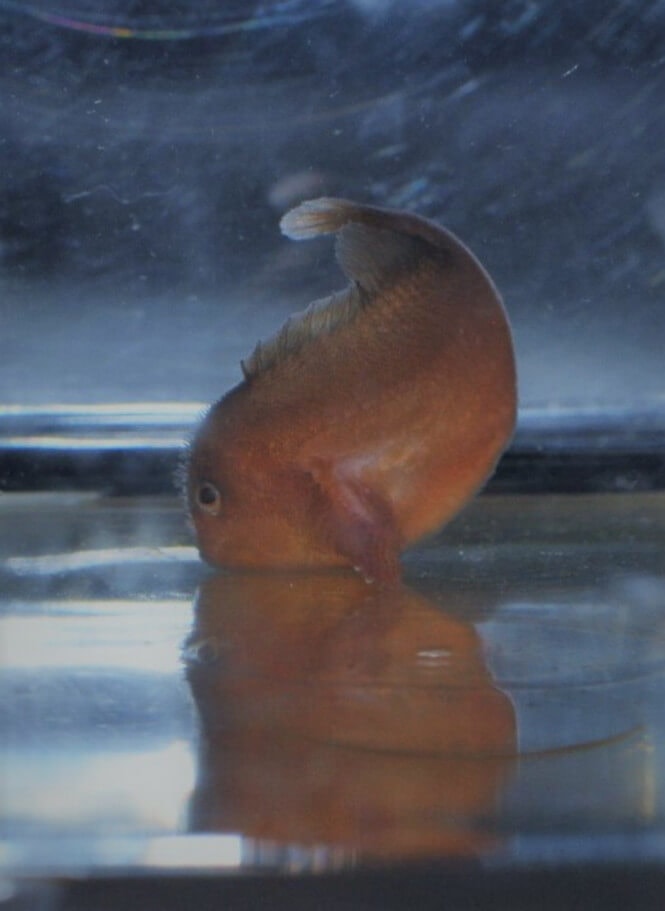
{"type": "Point", "coordinates": [506, 704]}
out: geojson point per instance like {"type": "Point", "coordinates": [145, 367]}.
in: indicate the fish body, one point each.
{"type": "Point", "coordinates": [372, 417]}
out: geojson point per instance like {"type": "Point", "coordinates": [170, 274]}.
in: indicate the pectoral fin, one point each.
{"type": "Point", "coordinates": [358, 523]}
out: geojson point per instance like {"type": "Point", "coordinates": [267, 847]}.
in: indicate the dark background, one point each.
{"type": "Point", "coordinates": [142, 178]}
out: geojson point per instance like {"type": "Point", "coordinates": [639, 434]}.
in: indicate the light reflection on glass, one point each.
{"type": "Point", "coordinates": [48, 564]}
{"type": "Point", "coordinates": [203, 851]}
{"type": "Point", "coordinates": [144, 790]}
{"type": "Point", "coordinates": [130, 635]}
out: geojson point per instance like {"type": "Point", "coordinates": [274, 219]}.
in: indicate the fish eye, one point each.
{"type": "Point", "coordinates": [208, 498]}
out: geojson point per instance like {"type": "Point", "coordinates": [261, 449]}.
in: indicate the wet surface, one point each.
{"type": "Point", "coordinates": [504, 705]}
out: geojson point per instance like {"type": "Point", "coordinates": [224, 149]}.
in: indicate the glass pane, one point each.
{"type": "Point", "coordinates": [504, 706]}
{"type": "Point", "coordinates": [148, 154]}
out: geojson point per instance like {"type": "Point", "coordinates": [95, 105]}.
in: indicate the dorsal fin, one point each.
{"type": "Point", "coordinates": [370, 255]}
{"type": "Point", "coordinates": [317, 318]}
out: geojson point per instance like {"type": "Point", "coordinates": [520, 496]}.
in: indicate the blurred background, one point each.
{"type": "Point", "coordinates": [147, 152]}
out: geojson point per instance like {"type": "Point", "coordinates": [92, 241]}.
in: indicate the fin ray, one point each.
{"type": "Point", "coordinates": [371, 249]}
{"type": "Point", "coordinates": [317, 318]}
{"type": "Point", "coordinates": [372, 257]}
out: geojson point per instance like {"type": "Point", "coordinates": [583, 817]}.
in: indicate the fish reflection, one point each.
{"type": "Point", "coordinates": [336, 714]}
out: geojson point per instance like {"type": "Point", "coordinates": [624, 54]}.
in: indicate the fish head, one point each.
{"type": "Point", "coordinates": [250, 508]}
{"type": "Point", "coordinates": [223, 487]}
{"type": "Point", "coordinates": [210, 495]}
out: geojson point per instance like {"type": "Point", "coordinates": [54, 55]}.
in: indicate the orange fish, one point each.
{"type": "Point", "coordinates": [371, 417]}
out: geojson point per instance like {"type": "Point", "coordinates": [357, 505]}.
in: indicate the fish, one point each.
{"type": "Point", "coordinates": [369, 419]}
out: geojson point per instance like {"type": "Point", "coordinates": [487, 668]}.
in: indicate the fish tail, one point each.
{"type": "Point", "coordinates": [328, 215]}
{"type": "Point", "coordinates": [318, 216]}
